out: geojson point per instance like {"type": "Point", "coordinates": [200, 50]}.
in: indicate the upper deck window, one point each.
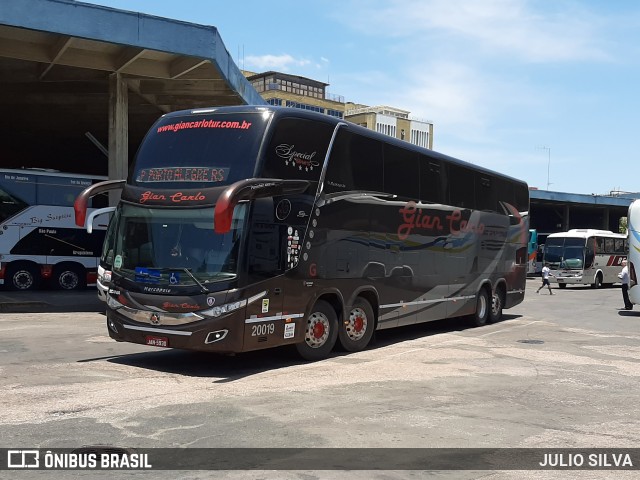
{"type": "Point", "coordinates": [200, 150]}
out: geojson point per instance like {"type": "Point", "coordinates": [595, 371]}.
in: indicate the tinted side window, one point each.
{"type": "Point", "coordinates": [297, 149]}
{"type": "Point", "coordinates": [485, 195]}
{"type": "Point", "coordinates": [60, 190]}
{"type": "Point", "coordinates": [355, 164]}
{"type": "Point", "coordinates": [402, 172]}
{"type": "Point", "coordinates": [521, 197]}
{"type": "Point", "coordinates": [431, 181]}
{"type": "Point", "coordinates": [461, 187]}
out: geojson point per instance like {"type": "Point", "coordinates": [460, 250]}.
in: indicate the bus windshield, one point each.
{"type": "Point", "coordinates": [199, 150]}
{"type": "Point", "coordinates": [176, 247]}
{"type": "Point", "coordinates": [567, 253]}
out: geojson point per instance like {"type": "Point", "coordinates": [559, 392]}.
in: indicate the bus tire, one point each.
{"type": "Point", "coordinates": [562, 285]}
{"type": "Point", "coordinates": [483, 307]}
{"type": "Point", "coordinates": [497, 304]}
{"type": "Point", "coordinates": [69, 277]}
{"type": "Point", "coordinates": [355, 333]}
{"type": "Point", "coordinates": [598, 281]}
{"type": "Point", "coordinates": [22, 276]}
{"type": "Point", "coordinates": [320, 334]}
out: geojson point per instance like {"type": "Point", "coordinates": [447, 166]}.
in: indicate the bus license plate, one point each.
{"type": "Point", "coordinates": [157, 341]}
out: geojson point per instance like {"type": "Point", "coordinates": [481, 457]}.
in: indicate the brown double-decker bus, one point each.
{"type": "Point", "coordinates": [243, 228]}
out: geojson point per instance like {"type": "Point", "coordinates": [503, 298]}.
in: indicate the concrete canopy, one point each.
{"type": "Point", "coordinates": [68, 68]}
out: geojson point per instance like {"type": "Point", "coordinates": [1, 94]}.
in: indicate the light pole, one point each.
{"type": "Point", "coordinates": [548, 149]}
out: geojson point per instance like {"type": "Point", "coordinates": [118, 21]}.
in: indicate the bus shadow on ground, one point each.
{"type": "Point", "coordinates": [229, 368]}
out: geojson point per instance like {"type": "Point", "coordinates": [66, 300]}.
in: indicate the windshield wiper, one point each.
{"type": "Point", "coordinates": [147, 274]}
{"type": "Point", "coordinates": [203, 289]}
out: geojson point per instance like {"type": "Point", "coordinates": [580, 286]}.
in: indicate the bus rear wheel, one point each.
{"type": "Point", "coordinates": [356, 332]}
{"type": "Point", "coordinates": [68, 277]}
{"type": "Point", "coordinates": [562, 285]}
{"type": "Point", "coordinates": [497, 304]}
{"type": "Point", "coordinates": [22, 277]}
{"type": "Point", "coordinates": [321, 332]}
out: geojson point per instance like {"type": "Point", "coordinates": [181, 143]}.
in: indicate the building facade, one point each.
{"type": "Point", "coordinates": [285, 90]}
{"type": "Point", "coordinates": [392, 121]}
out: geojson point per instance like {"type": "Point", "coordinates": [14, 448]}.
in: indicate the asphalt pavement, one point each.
{"type": "Point", "coordinates": [42, 301]}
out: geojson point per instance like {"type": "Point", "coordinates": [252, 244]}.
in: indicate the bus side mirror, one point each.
{"type": "Point", "coordinates": [94, 214]}
{"type": "Point", "coordinates": [82, 200]}
{"type": "Point", "coordinates": [250, 189]}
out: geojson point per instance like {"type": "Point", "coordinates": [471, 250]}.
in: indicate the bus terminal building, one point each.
{"type": "Point", "coordinates": [81, 84]}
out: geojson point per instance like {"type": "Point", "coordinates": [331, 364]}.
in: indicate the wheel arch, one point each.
{"type": "Point", "coordinates": [333, 297]}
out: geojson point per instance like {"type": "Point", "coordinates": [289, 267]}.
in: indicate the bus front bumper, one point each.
{"type": "Point", "coordinates": [568, 279]}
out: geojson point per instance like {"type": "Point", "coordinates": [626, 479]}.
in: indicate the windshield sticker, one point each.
{"type": "Point", "coordinates": [265, 305]}
{"type": "Point", "coordinates": [175, 127]}
{"type": "Point", "coordinates": [183, 174]}
{"type": "Point", "coordinates": [117, 263]}
{"type": "Point", "coordinates": [297, 159]}
{"type": "Point", "coordinates": [147, 275]}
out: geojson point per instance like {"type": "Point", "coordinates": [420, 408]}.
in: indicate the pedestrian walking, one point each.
{"type": "Point", "coordinates": [624, 277]}
{"type": "Point", "coordinates": [546, 271]}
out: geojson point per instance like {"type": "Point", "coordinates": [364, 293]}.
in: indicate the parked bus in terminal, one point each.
{"type": "Point", "coordinates": [39, 240]}
{"type": "Point", "coordinates": [633, 233]}
{"type": "Point", "coordinates": [243, 228]}
{"type": "Point", "coordinates": [532, 251]}
{"type": "Point", "coordinates": [585, 257]}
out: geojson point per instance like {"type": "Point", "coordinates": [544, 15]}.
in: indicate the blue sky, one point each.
{"type": "Point", "coordinates": [498, 78]}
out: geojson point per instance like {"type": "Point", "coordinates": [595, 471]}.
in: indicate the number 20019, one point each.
{"type": "Point", "coordinates": [262, 329]}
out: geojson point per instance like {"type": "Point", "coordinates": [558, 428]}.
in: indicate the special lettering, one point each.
{"type": "Point", "coordinates": [296, 159]}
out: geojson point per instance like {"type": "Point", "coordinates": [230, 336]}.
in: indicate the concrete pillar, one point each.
{"type": "Point", "coordinates": [118, 132]}
{"type": "Point", "coordinates": [566, 220]}
{"type": "Point", "coordinates": [605, 220]}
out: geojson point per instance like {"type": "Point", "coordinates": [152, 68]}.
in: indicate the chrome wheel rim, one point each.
{"type": "Point", "coordinates": [317, 332]}
{"type": "Point", "coordinates": [357, 325]}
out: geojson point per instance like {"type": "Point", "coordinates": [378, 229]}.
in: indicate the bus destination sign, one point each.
{"type": "Point", "coordinates": [183, 174]}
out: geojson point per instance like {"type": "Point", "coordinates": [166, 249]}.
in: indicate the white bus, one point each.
{"type": "Point", "coordinates": [633, 230]}
{"type": "Point", "coordinates": [40, 243]}
{"type": "Point", "coordinates": [585, 257]}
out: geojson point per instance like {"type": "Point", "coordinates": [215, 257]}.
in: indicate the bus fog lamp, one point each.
{"type": "Point", "coordinates": [112, 326]}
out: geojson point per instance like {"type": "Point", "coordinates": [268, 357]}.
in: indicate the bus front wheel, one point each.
{"type": "Point", "coordinates": [483, 307]}
{"type": "Point", "coordinates": [22, 277]}
{"type": "Point", "coordinates": [356, 332]}
{"type": "Point", "coordinates": [597, 282]}
{"type": "Point", "coordinates": [321, 332]}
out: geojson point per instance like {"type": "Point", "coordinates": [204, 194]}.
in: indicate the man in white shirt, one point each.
{"type": "Point", "coordinates": [546, 271]}
{"type": "Point", "coordinates": [624, 277]}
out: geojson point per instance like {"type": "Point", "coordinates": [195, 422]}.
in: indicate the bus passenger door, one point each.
{"type": "Point", "coordinates": [266, 263]}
